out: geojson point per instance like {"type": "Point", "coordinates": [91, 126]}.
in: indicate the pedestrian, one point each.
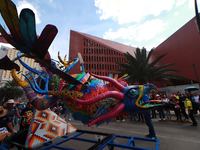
{"type": "Point", "coordinates": [147, 117]}
{"type": "Point", "coordinates": [12, 109]}
{"type": "Point", "coordinates": [188, 106]}
{"type": "Point", "coordinates": [175, 105]}
{"type": "Point", "coordinates": [195, 103]}
{"type": "Point", "coordinates": [182, 106]}
{"type": "Point", "coordinates": [153, 112]}
{"type": "Point", "coordinates": [5, 124]}
{"type": "Point", "coordinates": [166, 106]}
{"type": "Point", "coordinates": [26, 114]}
{"type": "Point", "coordinates": [160, 110]}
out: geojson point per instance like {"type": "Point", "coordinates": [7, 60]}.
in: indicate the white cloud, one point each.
{"type": "Point", "coordinates": [176, 14]}
{"type": "Point", "coordinates": [180, 2]}
{"type": "Point", "coordinates": [126, 11]}
{"type": "Point", "coordinates": [145, 31]}
{"type": "Point", "coordinates": [24, 4]}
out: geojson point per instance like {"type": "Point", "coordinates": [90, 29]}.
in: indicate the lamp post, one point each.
{"type": "Point", "coordinates": [193, 65]}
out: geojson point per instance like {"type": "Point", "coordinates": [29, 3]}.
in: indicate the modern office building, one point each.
{"type": "Point", "coordinates": [99, 55]}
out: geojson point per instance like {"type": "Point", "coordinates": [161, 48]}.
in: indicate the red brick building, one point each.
{"type": "Point", "coordinates": [99, 55]}
{"type": "Point", "coordinates": [183, 48]}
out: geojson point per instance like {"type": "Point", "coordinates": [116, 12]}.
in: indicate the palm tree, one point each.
{"type": "Point", "coordinates": [141, 70]}
{"type": "Point", "coordinates": [10, 91]}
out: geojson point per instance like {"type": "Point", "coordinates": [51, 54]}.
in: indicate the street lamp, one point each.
{"type": "Point", "coordinates": [193, 65]}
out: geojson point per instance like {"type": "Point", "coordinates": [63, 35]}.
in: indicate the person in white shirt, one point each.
{"type": "Point", "coordinates": [166, 106]}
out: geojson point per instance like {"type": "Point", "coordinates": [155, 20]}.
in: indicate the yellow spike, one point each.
{"type": "Point", "coordinates": [60, 59]}
{"type": "Point", "coordinates": [17, 80]}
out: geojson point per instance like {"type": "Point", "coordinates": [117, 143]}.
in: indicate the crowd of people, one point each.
{"type": "Point", "coordinates": [185, 106]}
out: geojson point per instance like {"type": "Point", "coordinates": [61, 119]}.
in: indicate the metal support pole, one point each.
{"type": "Point", "coordinates": [193, 65]}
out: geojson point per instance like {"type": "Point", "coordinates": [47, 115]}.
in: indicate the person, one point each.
{"type": "Point", "coordinates": [67, 112]}
{"type": "Point", "coordinates": [140, 117]}
{"type": "Point", "coordinates": [153, 112]}
{"type": "Point", "coordinates": [160, 110]}
{"type": "Point", "coordinates": [26, 116]}
{"type": "Point", "coordinates": [7, 132]}
{"type": "Point", "coordinates": [166, 106]}
{"type": "Point", "coordinates": [174, 103]}
{"type": "Point", "coordinates": [133, 116]}
{"type": "Point", "coordinates": [12, 110]}
{"type": "Point", "coordinates": [182, 106]}
{"type": "Point", "coordinates": [195, 103]}
{"type": "Point", "coordinates": [188, 106]}
{"type": "Point", "coordinates": [5, 125]}
{"type": "Point", "coordinates": [147, 118]}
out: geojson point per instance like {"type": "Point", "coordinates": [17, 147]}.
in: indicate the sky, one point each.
{"type": "Point", "coordinates": [138, 23]}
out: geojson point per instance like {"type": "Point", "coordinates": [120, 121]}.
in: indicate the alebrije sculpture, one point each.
{"type": "Point", "coordinates": [86, 95]}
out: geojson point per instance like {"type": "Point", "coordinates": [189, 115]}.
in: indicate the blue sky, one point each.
{"type": "Point", "coordinates": [139, 23]}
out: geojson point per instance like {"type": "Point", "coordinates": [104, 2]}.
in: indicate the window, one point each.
{"type": "Point", "coordinates": [92, 51]}
{"type": "Point", "coordinates": [86, 51]}
{"type": "Point", "coordinates": [100, 58]}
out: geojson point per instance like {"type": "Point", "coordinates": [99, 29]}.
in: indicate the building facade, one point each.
{"type": "Point", "coordinates": [99, 55]}
{"type": "Point", "coordinates": [5, 75]}
{"type": "Point", "coordinates": [183, 49]}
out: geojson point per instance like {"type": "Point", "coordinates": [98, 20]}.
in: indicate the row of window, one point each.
{"type": "Point", "coordinates": [101, 51]}
{"type": "Point", "coordinates": [103, 73]}
{"type": "Point", "coordinates": [91, 43]}
{"type": "Point", "coordinates": [102, 67]}
{"type": "Point", "coordinates": [103, 59]}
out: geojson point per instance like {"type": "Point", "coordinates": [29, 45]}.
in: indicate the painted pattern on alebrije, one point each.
{"type": "Point", "coordinates": [82, 112]}
{"type": "Point", "coordinates": [44, 129]}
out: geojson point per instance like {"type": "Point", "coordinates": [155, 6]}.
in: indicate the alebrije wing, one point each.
{"type": "Point", "coordinates": [45, 40]}
{"type": "Point", "coordinates": [7, 64]}
{"type": "Point", "coordinates": [27, 28]}
{"type": "Point", "coordinates": [9, 13]}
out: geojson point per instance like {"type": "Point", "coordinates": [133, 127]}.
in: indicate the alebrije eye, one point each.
{"type": "Point", "coordinates": [132, 93]}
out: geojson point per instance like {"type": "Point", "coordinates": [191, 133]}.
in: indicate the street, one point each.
{"type": "Point", "coordinates": [171, 135]}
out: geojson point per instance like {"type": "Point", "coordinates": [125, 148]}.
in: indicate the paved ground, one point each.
{"type": "Point", "coordinates": [171, 135]}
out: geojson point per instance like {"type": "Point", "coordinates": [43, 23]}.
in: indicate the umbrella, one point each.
{"type": "Point", "coordinates": [192, 88]}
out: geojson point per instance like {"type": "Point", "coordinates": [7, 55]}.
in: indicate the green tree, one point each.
{"type": "Point", "coordinates": [139, 69]}
{"type": "Point", "coordinates": [10, 91]}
